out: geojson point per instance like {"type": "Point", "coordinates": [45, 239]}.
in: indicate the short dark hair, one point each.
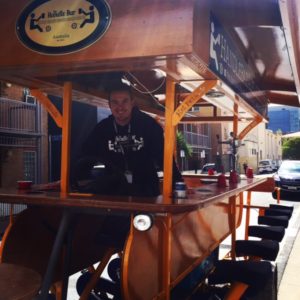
{"type": "Point", "coordinates": [119, 87]}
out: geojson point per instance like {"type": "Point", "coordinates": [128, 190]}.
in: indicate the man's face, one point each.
{"type": "Point", "coordinates": [121, 106]}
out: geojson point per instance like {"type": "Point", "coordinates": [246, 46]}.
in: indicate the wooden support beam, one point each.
{"type": "Point", "coordinates": [191, 99]}
{"type": "Point", "coordinates": [167, 241]}
{"type": "Point", "coordinates": [66, 139]}
{"type": "Point", "coordinates": [169, 140]}
{"type": "Point", "coordinates": [50, 107]}
{"type": "Point", "coordinates": [232, 224]}
{"type": "Point", "coordinates": [247, 214]}
{"type": "Point", "coordinates": [210, 120]}
{"type": "Point", "coordinates": [235, 118]}
{"type": "Point", "coordinates": [169, 146]}
{"type": "Point", "coordinates": [215, 111]}
{"type": "Point", "coordinates": [247, 129]}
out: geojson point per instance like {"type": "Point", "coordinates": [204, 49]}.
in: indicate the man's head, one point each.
{"type": "Point", "coordinates": [121, 104]}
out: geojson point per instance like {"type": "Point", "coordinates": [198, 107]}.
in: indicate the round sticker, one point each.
{"type": "Point", "coordinates": [60, 27]}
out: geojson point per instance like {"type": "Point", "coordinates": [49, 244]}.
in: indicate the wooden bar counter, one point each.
{"type": "Point", "coordinates": [198, 224]}
{"type": "Point", "coordinates": [194, 201]}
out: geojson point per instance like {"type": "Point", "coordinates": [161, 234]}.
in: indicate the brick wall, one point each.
{"type": "Point", "coordinates": [11, 91]}
{"type": "Point", "coordinates": [11, 167]}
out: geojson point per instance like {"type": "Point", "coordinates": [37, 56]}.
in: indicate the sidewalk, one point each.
{"type": "Point", "coordinates": [288, 259]}
{"type": "Point", "coordinates": [289, 287]}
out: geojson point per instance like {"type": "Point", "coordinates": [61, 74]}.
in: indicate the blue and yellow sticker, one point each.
{"type": "Point", "coordinates": [59, 27]}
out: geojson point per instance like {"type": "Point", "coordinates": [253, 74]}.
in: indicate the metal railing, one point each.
{"type": "Point", "coordinates": [17, 142]}
{"type": "Point", "coordinates": [18, 117]}
{"type": "Point", "coordinates": [198, 140]}
{"type": "Point", "coordinates": [5, 209]}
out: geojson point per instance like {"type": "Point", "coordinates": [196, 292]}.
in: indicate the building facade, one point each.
{"type": "Point", "coordinates": [198, 137]}
{"type": "Point", "coordinates": [283, 118]}
{"type": "Point", "coordinates": [259, 144]}
{"type": "Point", "coordinates": [23, 137]}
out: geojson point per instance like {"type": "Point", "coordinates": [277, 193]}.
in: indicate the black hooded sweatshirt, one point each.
{"type": "Point", "coordinates": [136, 149]}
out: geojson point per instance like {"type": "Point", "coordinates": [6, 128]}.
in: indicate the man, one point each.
{"type": "Point", "coordinates": [231, 141]}
{"type": "Point", "coordinates": [130, 144]}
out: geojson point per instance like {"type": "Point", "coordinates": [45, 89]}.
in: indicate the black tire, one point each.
{"type": "Point", "coordinates": [114, 269]}
{"type": "Point", "coordinates": [268, 292]}
{"type": "Point", "coordinates": [274, 195]}
{"type": "Point", "coordinates": [100, 292]}
{"type": "Point", "coordinates": [105, 289]}
{"type": "Point", "coordinates": [82, 282]}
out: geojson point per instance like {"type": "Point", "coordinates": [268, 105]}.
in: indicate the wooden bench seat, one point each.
{"type": "Point", "coordinates": [18, 283]}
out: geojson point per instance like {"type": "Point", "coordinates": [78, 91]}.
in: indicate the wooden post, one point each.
{"type": "Point", "coordinates": [66, 139]}
{"type": "Point", "coordinates": [232, 220]}
{"type": "Point", "coordinates": [247, 214]}
{"type": "Point", "coordinates": [166, 262]}
{"type": "Point", "coordinates": [235, 119]}
{"type": "Point", "coordinates": [169, 140]}
{"type": "Point", "coordinates": [235, 135]}
{"type": "Point", "coordinates": [49, 106]}
{"type": "Point", "coordinates": [167, 187]}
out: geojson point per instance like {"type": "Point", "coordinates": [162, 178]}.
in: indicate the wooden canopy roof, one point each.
{"type": "Point", "coordinates": [146, 41]}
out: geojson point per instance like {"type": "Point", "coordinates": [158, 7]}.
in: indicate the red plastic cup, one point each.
{"type": "Point", "coordinates": [233, 177]}
{"type": "Point", "coordinates": [221, 181]}
{"type": "Point", "coordinates": [24, 184]}
{"type": "Point", "coordinates": [249, 173]}
{"type": "Point", "coordinates": [210, 172]}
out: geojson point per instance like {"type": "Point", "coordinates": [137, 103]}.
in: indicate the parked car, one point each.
{"type": "Point", "coordinates": [288, 177]}
{"type": "Point", "coordinates": [208, 166]}
{"type": "Point", "coordinates": [266, 166]}
{"type": "Point", "coordinates": [278, 163]}
{"type": "Point", "coordinates": [275, 165]}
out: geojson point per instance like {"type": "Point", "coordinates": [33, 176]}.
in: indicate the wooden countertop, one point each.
{"type": "Point", "coordinates": [201, 197]}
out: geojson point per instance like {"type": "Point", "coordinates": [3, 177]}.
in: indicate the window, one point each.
{"type": "Point", "coordinates": [30, 99]}
{"type": "Point", "coordinates": [29, 165]}
{"type": "Point", "coordinates": [253, 151]}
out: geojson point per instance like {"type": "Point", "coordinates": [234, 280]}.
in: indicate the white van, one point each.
{"type": "Point", "coordinates": [266, 166]}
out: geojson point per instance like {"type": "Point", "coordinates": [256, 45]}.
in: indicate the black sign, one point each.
{"type": "Point", "coordinates": [227, 62]}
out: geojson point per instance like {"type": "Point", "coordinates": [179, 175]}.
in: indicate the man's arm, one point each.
{"type": "Point", "coordinates": [223, 142]}
{"type": "Point", "coordinates": [90, 146]}
{"type": "Point", "coordinates": [89, 155]}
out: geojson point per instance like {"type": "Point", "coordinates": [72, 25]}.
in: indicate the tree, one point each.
{"type": "Point", "coordinates": [290, 148]}
{"type": "Point", "coordinates": [183, 145]}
